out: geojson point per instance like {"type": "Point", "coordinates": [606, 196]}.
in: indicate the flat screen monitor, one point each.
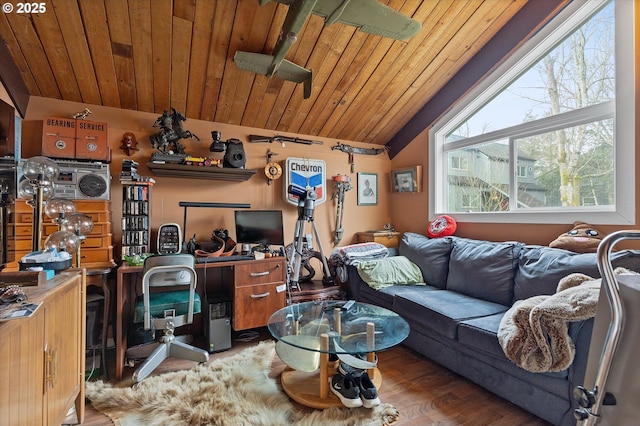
{"type": "Point", "coordinates": [259, 227]}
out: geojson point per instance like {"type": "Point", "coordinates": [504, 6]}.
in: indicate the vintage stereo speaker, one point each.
{"type": "Point", "coordinates": [79, 180]}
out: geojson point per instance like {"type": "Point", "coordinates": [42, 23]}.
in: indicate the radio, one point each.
{"type": "Point", "coordinates": [79, 180]}
{"type": "Point", "coordinates": [169, 238]}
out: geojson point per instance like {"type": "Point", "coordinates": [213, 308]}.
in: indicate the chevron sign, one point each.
{"type": "Point", "coordinates": [304, 173]}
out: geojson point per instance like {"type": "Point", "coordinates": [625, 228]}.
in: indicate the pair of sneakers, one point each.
{"type": "Point", "coordinates": [354, 387]}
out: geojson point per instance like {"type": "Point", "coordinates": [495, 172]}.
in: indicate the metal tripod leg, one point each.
{"type": "Point", "coordinates": [325, 264]}
{"type": "Point", "coordinates": [296, 256]}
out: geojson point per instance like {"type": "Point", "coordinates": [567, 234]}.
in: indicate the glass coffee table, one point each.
{"type": "Point", "coordinates": [311, 333]}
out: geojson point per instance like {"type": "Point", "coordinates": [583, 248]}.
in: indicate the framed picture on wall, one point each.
{"type": "Point", "coordinates": [407, 180]}
{"type": "Point", "coordinates": [367, 189]}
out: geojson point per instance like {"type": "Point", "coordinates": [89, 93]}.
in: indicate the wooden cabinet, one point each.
{"type": "Point", "coordinates": [97, 248]}
{"type": "Point", "coordinates": [386, 238]}
{"type": "Point", "coordinates": [259, 290]}
{"type": "Point", "coordinates": [75, 139]}
{"type": "Point", "coordinates": [42, 357]}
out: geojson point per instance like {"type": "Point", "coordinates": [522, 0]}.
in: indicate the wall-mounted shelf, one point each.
{"type": "Point", "coordinates": [196, 172]}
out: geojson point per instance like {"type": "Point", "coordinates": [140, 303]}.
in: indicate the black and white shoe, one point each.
{"type": "Point", "coordinates": [367, 390]}
{"type": "Point", "coordinates": [344, 387]}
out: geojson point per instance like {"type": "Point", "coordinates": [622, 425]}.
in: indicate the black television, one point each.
{"type": "Point", "coordinates": [262, 227]}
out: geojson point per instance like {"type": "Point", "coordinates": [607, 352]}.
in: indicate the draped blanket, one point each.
{"type": "Point", "coordinates": [352, 255]}
{"type": "Point", "coordinates": [534, 333]}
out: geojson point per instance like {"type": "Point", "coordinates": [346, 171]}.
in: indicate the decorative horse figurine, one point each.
{"type": "Point", "coordinates": [171, 131]}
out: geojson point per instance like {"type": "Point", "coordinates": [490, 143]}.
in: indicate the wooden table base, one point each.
{"type": "Point", "coordinates": [304, 387]}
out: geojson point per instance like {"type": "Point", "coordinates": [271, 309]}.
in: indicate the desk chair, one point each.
{"type": "Point", "coordinates": [167, 310]}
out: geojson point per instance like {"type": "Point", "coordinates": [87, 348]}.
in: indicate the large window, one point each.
{"type": "Point", "coordinates": [548, 137]}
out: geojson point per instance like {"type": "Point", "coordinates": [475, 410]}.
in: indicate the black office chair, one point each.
{"type": "Point", "coordinates": [166, 310]}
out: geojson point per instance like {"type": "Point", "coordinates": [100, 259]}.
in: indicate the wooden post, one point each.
{"type": "Point", "coordinates": [324, 361]}
{"type": "Point", "coordinates": [371, 345]}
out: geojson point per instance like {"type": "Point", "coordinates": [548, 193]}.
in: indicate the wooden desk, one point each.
{"type": "Point", "coordinates": [257, 289]}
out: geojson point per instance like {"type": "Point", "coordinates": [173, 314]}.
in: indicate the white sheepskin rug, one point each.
{"type": "Point", "coordinates": [236, 390]}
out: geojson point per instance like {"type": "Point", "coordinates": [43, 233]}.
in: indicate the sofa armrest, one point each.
{"type": "Point", "coordinates": [580, 333]}
{"type": "Point", "coordinates": [353, 284]}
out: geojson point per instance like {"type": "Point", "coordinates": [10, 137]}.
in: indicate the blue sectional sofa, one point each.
{"type": "Point", "coordinates": [455, 317]}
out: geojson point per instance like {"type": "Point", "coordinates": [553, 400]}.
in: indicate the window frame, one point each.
{"type": "Point", "coordinates": [622, 109]}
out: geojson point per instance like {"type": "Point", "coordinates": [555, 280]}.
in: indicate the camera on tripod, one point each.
{"type": "Point", "coordinates": [302, 193]}
{"type": "Point", "coordinates": [306, 200]}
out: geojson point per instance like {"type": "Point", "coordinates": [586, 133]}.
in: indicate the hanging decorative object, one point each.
{"type": "Point", "coordinates": [129, 144]}
{"type": "Point", "coordinates": [272, 170]}
{"type": "Point", "coordinates": [342, 184]}
{"type": "Point", "coordinates": [350, 150]}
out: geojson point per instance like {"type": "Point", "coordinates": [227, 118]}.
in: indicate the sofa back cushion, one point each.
{"type": "Point", "coordinates": [540, 268]}
{"type": "Point", "coordinates": [483, 269]}
{"type": "Point", "coordinates": [430, 254]}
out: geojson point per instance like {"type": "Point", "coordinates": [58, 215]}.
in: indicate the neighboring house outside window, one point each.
{"type": "Point", "coordinates": [549, 136]}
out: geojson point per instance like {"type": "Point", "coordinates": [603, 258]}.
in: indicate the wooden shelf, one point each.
{"type": "Point", "coordinates": [197, 172]}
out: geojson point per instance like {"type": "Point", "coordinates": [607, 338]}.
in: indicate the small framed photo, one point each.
{"type": "Point", "coordinates": [367, 189]}
{"type": "Point", "coordinates": [407, 180]}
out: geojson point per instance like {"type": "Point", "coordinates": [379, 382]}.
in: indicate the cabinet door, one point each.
{"type": "Point", "coordinates": [253, 305]}
{"type": "Point", "coordinates": [63, 351]}
{"type": "Point", "coordinates": [259, 292]}
{"type": "Point", "coordinates": [21, 371]}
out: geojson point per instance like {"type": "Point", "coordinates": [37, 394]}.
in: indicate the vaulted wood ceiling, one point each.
{"type": "Point", "coordinates": [149, 55]}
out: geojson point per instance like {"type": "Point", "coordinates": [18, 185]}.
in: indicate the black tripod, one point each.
{"type": "Point", "coordinates": [306, 205]}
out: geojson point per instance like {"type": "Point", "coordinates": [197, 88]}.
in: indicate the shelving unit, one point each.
{"type": "Point", "coordinates": [136, 212]}
{"type": "Point", "coordinates": [196, 172]}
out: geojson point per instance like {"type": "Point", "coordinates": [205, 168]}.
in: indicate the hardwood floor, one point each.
{"type": "Point", "coordinates": [424, 392]}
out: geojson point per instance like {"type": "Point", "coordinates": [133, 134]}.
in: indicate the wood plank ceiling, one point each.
{"type": "Point", "coordinates": [149, 55]}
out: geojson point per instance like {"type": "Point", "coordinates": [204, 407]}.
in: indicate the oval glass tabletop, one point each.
{"type": "Point", "coordinates": [311, 319]}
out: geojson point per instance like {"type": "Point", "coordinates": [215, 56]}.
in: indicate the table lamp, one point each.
{"type": "Point", "coordinates": [40, 172]}
{"type": "Point", "coordinates": [63, 241]}
{"type": "Point", "coordinates": [80, 225]}
{"type": "Point", "coordinates": [59, 208]}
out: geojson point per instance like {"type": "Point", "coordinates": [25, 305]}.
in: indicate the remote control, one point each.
{"type": "Point", "coordinates": [348, 305]}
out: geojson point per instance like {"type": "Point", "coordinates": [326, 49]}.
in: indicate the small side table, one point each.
{"type": "Point", "coordinates": [102, 275]}
{"type": "Point", "coordinates": [390, 239]}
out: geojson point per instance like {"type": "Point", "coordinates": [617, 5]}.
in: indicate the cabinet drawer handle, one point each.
{"type": "Point", "coordinates": [259, 274]}
{"type": "Point", "coordinates": [260, 296]}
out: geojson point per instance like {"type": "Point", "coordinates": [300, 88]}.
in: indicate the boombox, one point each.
{"type": "Point", "coordinates": [79, 180]}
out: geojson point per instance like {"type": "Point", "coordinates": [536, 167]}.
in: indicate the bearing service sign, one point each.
{"type": "Point", "coordinates": [304, 173]}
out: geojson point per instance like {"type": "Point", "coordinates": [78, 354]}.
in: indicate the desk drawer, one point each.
{"type": "Point", "coordinates": [260, 272]}
{"type": "Point", "coordinates": [253, 305]}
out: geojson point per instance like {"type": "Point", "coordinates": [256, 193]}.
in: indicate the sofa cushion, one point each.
{"type": "Point", "coordinates": [540, 268]}
{"type": "Point", "coordinates": [430, 254]}
{"type": "Point", "coordinates": [483, 269]}
{"type": "Point", "coordinates": [397, 270]}
{"type": "Point", "coordinates": [482, 334]}
{"type": "Point", "coordinates": [442, 310]}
